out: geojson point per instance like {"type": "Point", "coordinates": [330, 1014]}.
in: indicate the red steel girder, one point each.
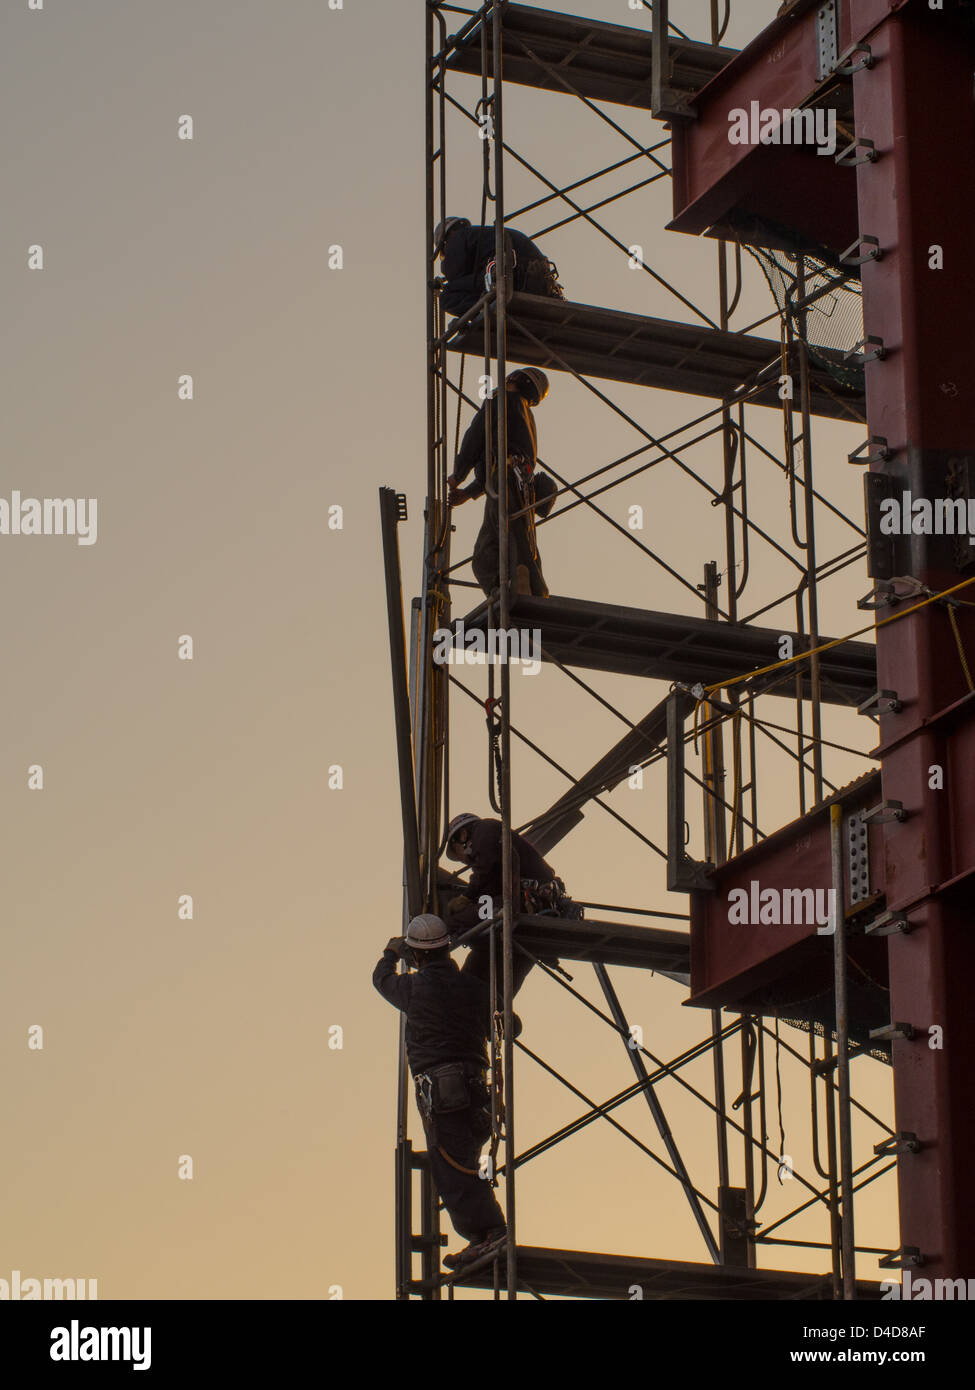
{"type": "Point", "coordinates": [916, 193]}
{"type": "Point", "coordinates": [741, 191]}
{"type": "Point", "coordinates": [916, 105]}
{"type": "Point", "coordinates": [786, 969]}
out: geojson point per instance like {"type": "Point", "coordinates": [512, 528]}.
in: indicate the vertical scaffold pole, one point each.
{"type": "Point", "coordinates": [842, 1052]}
{"type": "Point", "coordinates": [508, 906]}
{"type": "Point", "coordinates": [715, 837]}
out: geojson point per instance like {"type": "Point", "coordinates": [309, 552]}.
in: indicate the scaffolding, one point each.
{"type": "Point", "coordinates": [722, 667]}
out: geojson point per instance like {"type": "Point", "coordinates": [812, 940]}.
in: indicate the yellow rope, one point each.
{"type": "Point", "coordinates": [961, 648]}
{"type": "Point", "coordinates": [735, 775]}
{"type": "Point", "coordinates": [726, 683]}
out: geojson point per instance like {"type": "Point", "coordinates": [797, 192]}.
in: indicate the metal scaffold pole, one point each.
{"type": "Point", "coordinates": [502, 271]}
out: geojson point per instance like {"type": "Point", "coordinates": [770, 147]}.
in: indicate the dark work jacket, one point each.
{"type": "Point", "coordinates": [485, 862]}
{"type": "Point", "coordinates": [446, 1011]}
{"type": "Point", "coordinates": [467, 253]}
{"type": "Point", "coordinates": [522, 439]}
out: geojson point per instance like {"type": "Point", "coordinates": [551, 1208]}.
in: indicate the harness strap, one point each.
{"type": "Point", "coordinates": [471, 1172]}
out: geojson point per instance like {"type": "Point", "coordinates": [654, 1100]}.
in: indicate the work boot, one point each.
{"type": "Point", "coordinates": [477, 1250]}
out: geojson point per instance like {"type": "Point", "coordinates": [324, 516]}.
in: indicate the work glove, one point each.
{"type": "Point", "coordinates": [455, 498]}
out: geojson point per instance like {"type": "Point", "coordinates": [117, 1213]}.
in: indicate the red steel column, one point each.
{"type": "Point", "coordinates": [917, 105]}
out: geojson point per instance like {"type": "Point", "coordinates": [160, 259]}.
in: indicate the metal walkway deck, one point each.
{"type": "Point", "coordinates": [676, 647]}
{"type": "Point", "coordinates": [560, 335]}
{"type": "Point", "coordinates": [606, 943]}
{"type": "Point", "coordinates": [583, 1274]}
{"type": "Point", "coordinates": [603, 62]}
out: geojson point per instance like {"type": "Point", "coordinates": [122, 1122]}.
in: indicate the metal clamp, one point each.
{"type": "Point", "coordinates": [904, 1142]}
{"type": "Point", "coordinates": [882, 595]}
{"type": "Point", "coordinates": [846, 68]}
{"type": "Point", "coordinates": [892, 1031]}
{"type": "Point", "coordinates": [849, 157]}
{"type": "Point", "coordinates": [885, 700]}
{"type": "Point", "coordinates": [884, 813]}
{"type": "Point", "coordinates": [874, 254]}
{"type": "Point", "coordinates": [859, 359]}
{"type": "Point", "coordinates": [900, 1259]}
{"type": "Point", "coordinates": [879, 452]}
{"type": "Point", "coordinates": [887, 924]}
{"type": "Point", "coordinates": [885, 593]}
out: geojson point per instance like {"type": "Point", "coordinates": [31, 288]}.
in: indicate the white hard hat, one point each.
{"type": "Point", "coordinates": [427, 933]}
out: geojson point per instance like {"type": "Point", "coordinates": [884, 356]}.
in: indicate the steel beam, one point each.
{"type": "Point", "coordinates": [786, 969]}
{"type": "Point", "coordinates": [606, 943]}
{"type": "Point", "coordinates": [657, 1112]}
{"type": "Point", "coordinates": [747, 191]}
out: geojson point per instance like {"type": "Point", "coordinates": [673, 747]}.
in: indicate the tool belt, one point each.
{"type": "Point", "coordinates": [543, 897]}
{"type": "Point", "coordinates": [542, 277]}
{"type": "Point", "coordinates": [448, 1087]}
{"type": "Point", "coordinates": [522, 470]}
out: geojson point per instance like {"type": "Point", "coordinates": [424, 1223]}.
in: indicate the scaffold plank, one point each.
{"type": "Point", "coordinates": [677, 647]}
{"type": "Point", "coordinates": [561, 335]}
{"type": "Point", "coordinates": [585, 1274]}
{"type": "Point", "coordinates": [603, 62]}
{"type": "Point", "coordinates": [606, 943]}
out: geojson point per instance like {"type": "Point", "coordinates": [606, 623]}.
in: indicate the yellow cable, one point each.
{"type": "Point", "coordinates": [725, 683]}
{"type": "Point", "coordinates": [961, 649]}
{"type": "Point", "coordinates": [735, 775]}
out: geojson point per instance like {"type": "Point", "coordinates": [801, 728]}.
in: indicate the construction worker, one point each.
{"type": "Point", "coordinates": [447, 1022]}
{"type": "Point", "coordinates": [468, 264]}
{"type": "Point", "coordinates": [535, 887]}
{"type": "Point", "coordinates": [523, 390]}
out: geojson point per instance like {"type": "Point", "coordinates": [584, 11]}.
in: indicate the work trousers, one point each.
{"type": "Point", "coordinates": [522, 546]}
{"type": "Point", "coordinates": [468, 1198]}
{"type": "Point", "coordinates": [461, 915]}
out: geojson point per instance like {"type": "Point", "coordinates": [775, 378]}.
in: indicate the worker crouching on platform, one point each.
{"type": "Point", "coordinates": [447, 1022]}
{"type": "Point", "coordinates": [530, 493]}
{"type": "Point", "coordinates": [468, 265]}
{"type": "Point", "coordinates": [535, 888]}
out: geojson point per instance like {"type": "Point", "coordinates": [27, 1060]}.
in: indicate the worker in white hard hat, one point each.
{"type": "Point", "coordinates": [447, 1022]}
{"type": "Point", "coordinates": [525, 388]}
{"type": "Point", "coordinates": [468, 264]}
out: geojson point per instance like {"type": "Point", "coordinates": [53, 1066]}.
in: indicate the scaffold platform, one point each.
{"type": "Point", "coordinates": [585, 1274]}
{"type": "Point", "coordinates": [606, 943]}
{"type": "Point", "coordinates": [560, 335]}
{"type": "Point", "coordinates": [587, 57]}
{"type": "Point", "coordinates": [678, 647]}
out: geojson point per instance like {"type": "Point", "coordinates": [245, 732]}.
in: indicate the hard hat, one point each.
{"type": "Point", "coordinates": [530, 382]}
{"type": "Point", "coordinates": [447, 225]}
{"type": "Point", "coordinates": [427, 933]}
{"type": "Point", "coordinates": [458, 823]}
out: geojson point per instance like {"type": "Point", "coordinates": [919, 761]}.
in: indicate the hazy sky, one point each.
{"type": "Point", "coordinates": [165, 1037]}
